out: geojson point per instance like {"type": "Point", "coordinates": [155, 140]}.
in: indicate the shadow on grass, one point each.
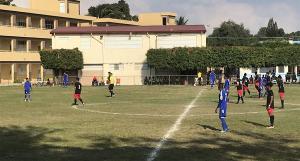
{"type": "Point", "coordinates": [35, 144]}
{"type": "Point", "coordinates": [209, 127]}
{"type": "Point", "coordinates": [255, 123]}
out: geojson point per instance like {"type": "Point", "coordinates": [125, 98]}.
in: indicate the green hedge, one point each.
{"type": "Point", "coordinates": [184, 59]}
{"type": "Point", "coordinates": [62, 59]}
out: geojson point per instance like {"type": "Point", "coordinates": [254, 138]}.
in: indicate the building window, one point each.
{"type": "Point", "coordinates": [49, 24]}
{"type": "Point", "coordinates": [114, 67]}
{"type": "Point", "coordinates": [123, 42]}
{"type": "Point", "coordinates": [21, 45]}
{"type": "Point", "coordinates": [171, 41]}
{"type": "Point", "coordinates": [73, 24]}
{"type": "Point", "coordinates": [21, 22]}
{"type": "Point", "coordinates": [85, 42]}
{"type": "Point", "coordinates": [141, 67]}
{"type": "Point", "coordinates": [62, 7]}
{"type": "Point", "coordinates": [281, 69]}
{"type": "Point", "coordinates": [291, 69]}
{"type": "Point", "coordinates": [266, 69]}
{"type": "Point", "coordinates": [164, 20]}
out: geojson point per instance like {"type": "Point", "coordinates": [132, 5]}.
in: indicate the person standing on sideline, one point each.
{"type": "Point", "coordinates": [199, 78]}
{"type": "Point", "coordinates": [239, 87]}
{"type": "Point", "coordinates": [223, 109]}
{"type": "Point", "coordinates": [281, 90]}
{"type": "Point", "coordinates": [212, 79]}
{"type": "Point", "coordinates": [245, 82]}
{"type": "Point", "coordinates": [111, 83]}
{"type": "Point", "coordinates": [65, 80]}
{"type": "Point", "coordinates": [77, 93]}
{"type": "Point", "coordinates": [270, 104]}
{"type": "Point", "coordinates": [27, 90]}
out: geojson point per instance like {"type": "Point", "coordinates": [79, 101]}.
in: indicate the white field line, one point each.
{"type": "Point", "coordinates": [173, 129]}
{"type": "Point", "coordinates": [157, 115]}
{"type": "Point", "coordinates": [125, 114]}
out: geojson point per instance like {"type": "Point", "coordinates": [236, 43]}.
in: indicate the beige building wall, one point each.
{"type": "Point", "coordinates": [146, 19]}
{"type": "Point", "coordinates": [45, 5]}
{"type": "Point", "coordinates": [74, 7]}
{"type": "Point", "coordinates": [123, 55]}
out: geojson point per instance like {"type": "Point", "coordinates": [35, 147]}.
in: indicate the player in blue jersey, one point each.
{"type": "Point", "coordinates": [227, 86]}
{"type": "Point", "coordinates": [27, 90]}
{"type": "Point", "coordinates": [212, 79]}
{"type": "Point", "coordinates": [222, 108]}
{"type": "Point", "coordinates": [65, 80]}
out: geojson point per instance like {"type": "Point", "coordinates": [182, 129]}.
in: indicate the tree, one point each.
{"type": "Point", "coordinates": [293, 34]}
{"type": "Point", "coordinates": [118, 10]}
{"type": "Point", "coordinates": [181, 21]}
{"type": "Point", "coordinates": [231, 29]}
{"type": "Point", "coordinates": [186, 59]}
{"type": "Point", "coordinates": [62, 59]}
{"type": "Point", "coordinates": [5, 2]}
{"type": "Point", "coordinates": [271, 30]}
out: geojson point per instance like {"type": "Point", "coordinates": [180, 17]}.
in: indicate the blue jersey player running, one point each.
{"type": "Point", "coordinates": [223, 109]}
{"type": "Point", "coordinates": [27, 90]}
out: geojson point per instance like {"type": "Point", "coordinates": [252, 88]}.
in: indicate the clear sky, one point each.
{"type": "Point", "coordinates": [252, 13]}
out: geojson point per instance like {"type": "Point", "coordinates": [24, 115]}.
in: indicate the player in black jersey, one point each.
{"type": "Point", "coordinates": [245, 82]}
{"type": "Point", "coordinates": [281, 90]}
{"type": "Point", "coordinates": [270, 104]}
{"type": "Point", "coordinates": [239, 87]}
{"type": "Point", "coordinates": [77, 93]}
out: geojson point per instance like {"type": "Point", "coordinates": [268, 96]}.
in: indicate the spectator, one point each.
{"type": "Point", "coordinates": [95, 81]}
{"type": "Point", "coordinates": [251, 79]}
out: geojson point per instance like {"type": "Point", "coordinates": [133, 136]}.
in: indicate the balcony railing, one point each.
{"type": "Point", "coordinates": [3, 50]}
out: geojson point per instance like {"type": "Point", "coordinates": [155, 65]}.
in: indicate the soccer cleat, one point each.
{"type": "Point", "coordinates": [270, 127]}
{"type": "Point", "coordinates": [223, 131]}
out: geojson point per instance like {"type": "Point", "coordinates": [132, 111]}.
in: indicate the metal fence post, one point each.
{"type": "Point", "coordinates": [169, 80]}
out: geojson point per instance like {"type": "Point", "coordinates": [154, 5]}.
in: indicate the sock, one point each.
{"type": "Point", "coordinates": [81, 100]}
{"type": "Point", "coordinates": [244, 93]}
{"type": "Point", "coordinates": [249, 92]}
{"type": "Point", "coordinates": [272, 120]}
{"type": "Point", "coordinates": [75, 101]}
{"type": "Point", "coordinates": [242, 99]}
{"type": "Point", "coordinates": [111, 93]}
{"type": "Point", "coordinates": [224, 125]}
{"type": "Point", "coordinates": [238, 99]}
{"type": "Point", "coordinates": [282, 103]}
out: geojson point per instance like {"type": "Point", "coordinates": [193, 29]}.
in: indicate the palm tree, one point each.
{"type": "Point", "coordinates": [181, 21]}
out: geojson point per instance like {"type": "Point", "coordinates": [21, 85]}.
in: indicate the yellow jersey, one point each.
{"type": "Point", "coordinates": [199, 74]}
{"type": "Point", "coordinates": [111, 80]}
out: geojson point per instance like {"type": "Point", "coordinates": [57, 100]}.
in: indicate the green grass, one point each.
{"type": "Point", "coordinates": [49, 129]}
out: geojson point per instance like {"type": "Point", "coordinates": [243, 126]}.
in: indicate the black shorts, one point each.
{"type": "Point", "coordinates": [111, 86]}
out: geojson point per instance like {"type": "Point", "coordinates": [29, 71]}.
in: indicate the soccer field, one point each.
{"type": "Point", "coordinates": [174, 123]}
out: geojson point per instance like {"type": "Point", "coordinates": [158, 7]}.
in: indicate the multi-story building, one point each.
{"type": "Point", "coordinates": [26, 31]}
